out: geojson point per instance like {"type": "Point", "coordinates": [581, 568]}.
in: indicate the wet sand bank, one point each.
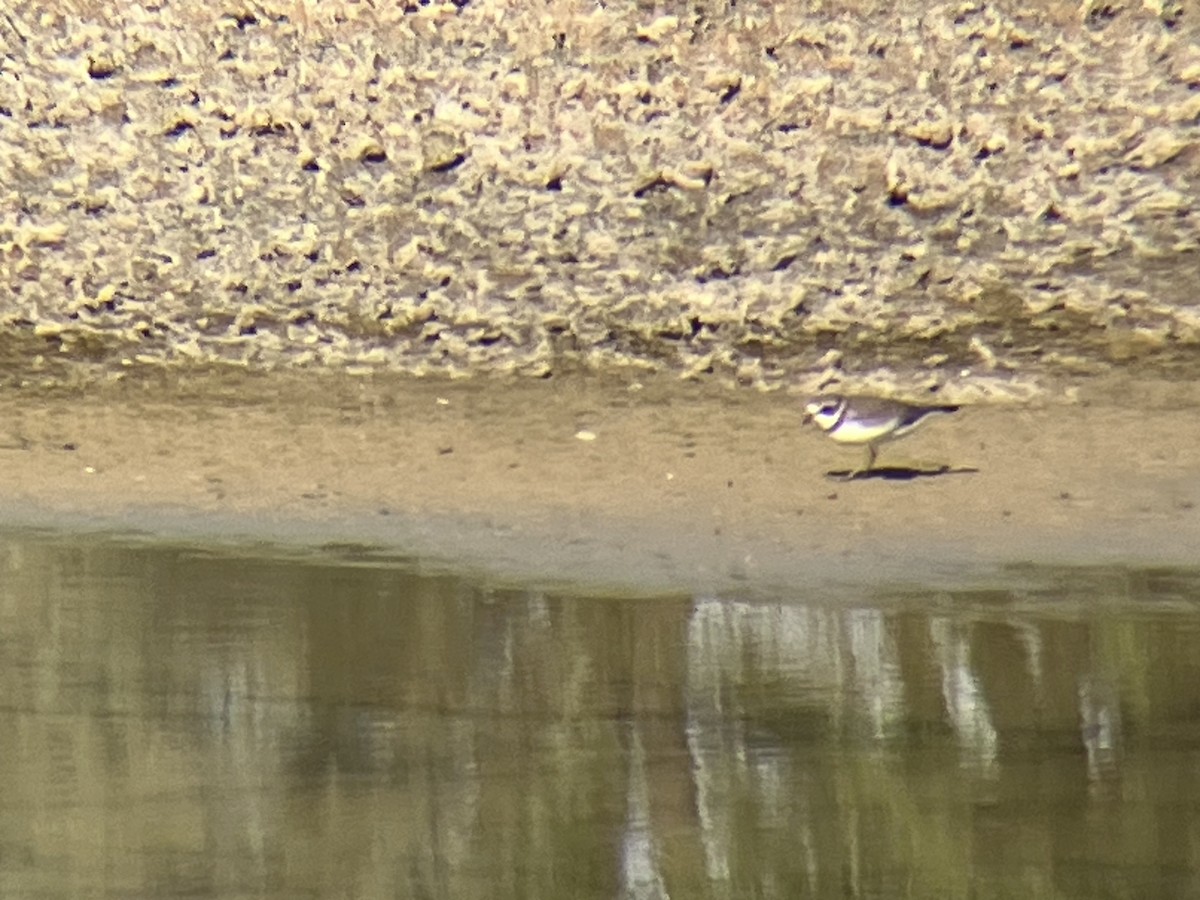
{"type": "Point", "coordinates": [663, 485]}
{"type": "Point", "coordinates": [766, 197]}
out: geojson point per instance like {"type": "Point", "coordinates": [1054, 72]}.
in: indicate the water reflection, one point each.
{"type": "Point", "coordinates": [176, 721]}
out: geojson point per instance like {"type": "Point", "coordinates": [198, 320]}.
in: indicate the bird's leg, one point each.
{"type": "Point", "coordinates": [871, 452]}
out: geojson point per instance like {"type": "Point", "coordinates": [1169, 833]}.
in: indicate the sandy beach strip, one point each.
{"type": "Point", "coordinates": [613, 483]}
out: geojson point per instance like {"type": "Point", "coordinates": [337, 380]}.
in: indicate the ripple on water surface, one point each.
{"type": "Point", "coordinates": [203, 721]}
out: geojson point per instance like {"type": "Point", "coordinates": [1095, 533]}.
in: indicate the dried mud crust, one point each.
{"type": "Point", "coordinates": [753, 191]}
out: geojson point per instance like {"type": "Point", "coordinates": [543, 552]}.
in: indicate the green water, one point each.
{"type": "Point", "coordinates": [182, 721]}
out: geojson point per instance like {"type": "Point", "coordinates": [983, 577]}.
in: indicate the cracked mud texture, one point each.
{"type": "Point", "coordinates": [768, 193]}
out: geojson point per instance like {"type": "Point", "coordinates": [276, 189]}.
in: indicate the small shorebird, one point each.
{"type": "Point", "coordinates": [867, 420]}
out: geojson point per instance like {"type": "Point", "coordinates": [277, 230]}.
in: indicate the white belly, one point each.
{"type": "Point", "coordinates": [855, 433]}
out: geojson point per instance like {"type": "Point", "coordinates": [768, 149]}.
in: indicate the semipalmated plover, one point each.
{"type": "Point", "coordinates": [867, 420]}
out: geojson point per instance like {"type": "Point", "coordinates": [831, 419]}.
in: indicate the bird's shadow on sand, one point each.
{"type": "Point", "coordinates": [898, 473]}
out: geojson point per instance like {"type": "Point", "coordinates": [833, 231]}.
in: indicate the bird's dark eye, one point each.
{"type": "Point", "coordinates": [829, 409]}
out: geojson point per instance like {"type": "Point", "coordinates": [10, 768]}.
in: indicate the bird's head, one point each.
{"type": "Point", "coordinates": [824, 411]}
